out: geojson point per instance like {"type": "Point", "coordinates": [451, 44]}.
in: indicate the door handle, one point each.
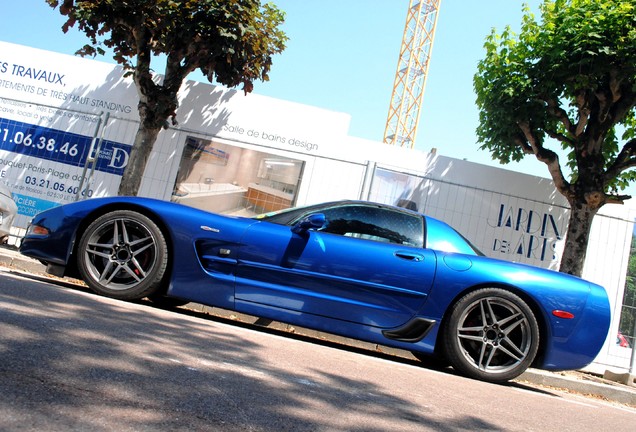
{"type": "Point", "coordinates": [410, 256]}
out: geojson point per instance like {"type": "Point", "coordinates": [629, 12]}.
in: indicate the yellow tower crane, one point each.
{"type": "Point", "coordinates": [412, 70]}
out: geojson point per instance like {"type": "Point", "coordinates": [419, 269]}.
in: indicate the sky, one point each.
{"type": "Point", "coordinates": [342, 56]}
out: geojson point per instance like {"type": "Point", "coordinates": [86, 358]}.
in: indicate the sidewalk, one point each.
{"type": "Point", "coordinates": [573, 381]}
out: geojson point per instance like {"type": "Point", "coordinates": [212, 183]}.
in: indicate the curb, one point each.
{"type": "Point", "coordinates": [572, 381]}
{"type": "Point", "coordinates": [10, 257]}
{"type": "Point", "coordinates": [582, 383]}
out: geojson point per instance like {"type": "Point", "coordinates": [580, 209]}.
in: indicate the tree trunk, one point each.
{"type": "Point", "coordinates": [157, 103]}
{"type": "Point", "coordinates": [573, 259]}
{"type": "Point", "coordinates": [139, 154]}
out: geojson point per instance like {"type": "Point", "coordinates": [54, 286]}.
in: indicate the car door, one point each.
{"type": "Point", "coordinates": [367, 265]}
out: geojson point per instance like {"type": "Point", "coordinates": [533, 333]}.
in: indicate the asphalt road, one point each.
{"type": "Point", "coordinates": [70, 360]}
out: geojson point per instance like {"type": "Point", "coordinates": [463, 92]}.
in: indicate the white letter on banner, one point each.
{"type": "Point", "coordinates": [123, 159]}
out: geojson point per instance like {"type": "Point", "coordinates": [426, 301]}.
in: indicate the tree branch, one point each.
{"type": "Point", "coordinates": [614, 104]}
{"type": "Point", "coordinates": [524, 145]}
{"type": "Point", "coordinates": [548, 157]}
{"type": "Point", "coordinates": [560, 114]}
{"type": "Point", "coordinates": [583, 107]}
{"type": "Point", "coordinates": [616, 199]}
{"type": "Point", "coordinates": [626, 159]}
{"type": "Point", "coordinates": [531, 145]}
{"type": "Point", "coordinates": [560, 137]}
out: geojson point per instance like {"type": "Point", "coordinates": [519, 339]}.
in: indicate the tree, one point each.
{"type": "Point", "coordinates": [570, 82]}
{"type": "Point", "coordinates": [231, 41]}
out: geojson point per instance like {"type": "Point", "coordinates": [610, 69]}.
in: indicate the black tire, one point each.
{"type": "Point", "coordinates": [491, 335]}
{"type": "Point", "coordinates": [123, 254]}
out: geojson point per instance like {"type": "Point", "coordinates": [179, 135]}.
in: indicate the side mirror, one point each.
{"type": "Point", "coordinates": [313, 221]}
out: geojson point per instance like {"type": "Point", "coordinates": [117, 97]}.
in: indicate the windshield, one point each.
{"type": "Point", "coordinates": [287, 216]}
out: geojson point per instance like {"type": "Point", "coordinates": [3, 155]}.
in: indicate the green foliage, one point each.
{"type": "Point", "coordinates": [570, 77]}
{"type": "Point", "coordinates": [230, 41]}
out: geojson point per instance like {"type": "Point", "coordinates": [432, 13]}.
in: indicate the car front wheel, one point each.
{"type": "Point", "coordinates": [123, 254]}
{"type": "Point", "coordinates": [491, 335]}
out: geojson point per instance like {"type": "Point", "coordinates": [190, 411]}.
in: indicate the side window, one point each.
{"type": "Point", "coordinates": [374, 223]}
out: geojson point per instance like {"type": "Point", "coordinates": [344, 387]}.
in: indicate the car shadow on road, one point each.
{"type": "Point", "coordinates": [71, 359]}
{"type": "Point", "coordinates": [310, 336]}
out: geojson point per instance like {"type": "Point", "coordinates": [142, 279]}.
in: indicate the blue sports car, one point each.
{"type": "Point", "coordinates": [368, 271]}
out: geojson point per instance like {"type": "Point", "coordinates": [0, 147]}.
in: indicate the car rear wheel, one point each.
{"type": "Point", "coordinates": [123, 254]}
{"type": "Point", "coordinates": [491, 335]}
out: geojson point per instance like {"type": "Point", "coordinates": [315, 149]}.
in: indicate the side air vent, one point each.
{"type": "Point", "coordinates": [412, 331]}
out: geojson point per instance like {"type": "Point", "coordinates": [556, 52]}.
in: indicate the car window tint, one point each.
{"type": "Point", "coordinates": [374, 223]}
